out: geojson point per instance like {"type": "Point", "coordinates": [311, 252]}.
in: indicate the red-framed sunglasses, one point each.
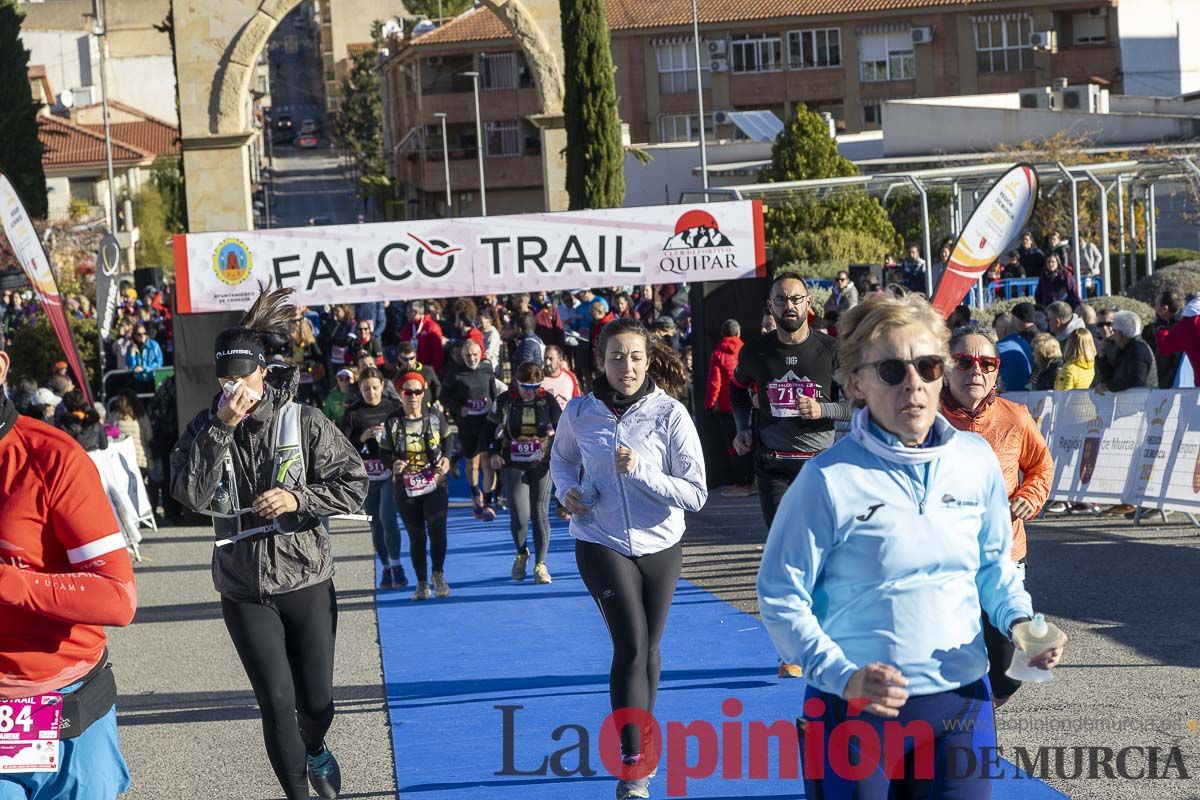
{"type": "Point", "coordinates": [987, 364]}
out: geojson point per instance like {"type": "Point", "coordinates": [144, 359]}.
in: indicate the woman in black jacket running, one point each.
{"type": "Point", "coordinates": [269, 470]}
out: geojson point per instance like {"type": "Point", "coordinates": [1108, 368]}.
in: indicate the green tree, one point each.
{"type": "Point", "coordinates": [20, 150]}
{"type": "Point", "coordinates": [150, 214]}
{"type": "Point", "coordinates": [358, 122]}
{"type": "Point", "coordinates": [595, 154]}
{"type": "Point", "coordinates": [33, 347]}
{"type": "Point", "coordinates": [804, 230]}
{"type": "Point", "coordinates": [430, 8]}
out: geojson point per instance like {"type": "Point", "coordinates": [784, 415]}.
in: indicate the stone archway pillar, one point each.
{"type": "Point", "coordinates": [218, 183]}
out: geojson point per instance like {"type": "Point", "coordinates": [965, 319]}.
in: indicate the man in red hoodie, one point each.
{"type": "Point", "coordinates": [716, 400]}
{"type": "Point", "coordinates": [425, 333]}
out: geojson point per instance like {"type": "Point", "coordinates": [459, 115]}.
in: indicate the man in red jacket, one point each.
{"type": "Point", "coordinates": [425, 333]}
{"type": "Point", "coordinates": [716, 400]}
{"type": "Point", "coordinates": [64, 576]}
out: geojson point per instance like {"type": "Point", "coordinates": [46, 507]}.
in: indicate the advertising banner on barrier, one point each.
{"type": "Point", "coordinates": [996, 221]}
{"type": "Point", "coordinates": [25, 243]}
{"type": "Point", "coordinates": [1140, 447]}
{"type": "Point", "coordinates": [473, 256]}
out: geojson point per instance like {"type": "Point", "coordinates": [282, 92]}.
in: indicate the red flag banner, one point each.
{"type": "Point", "coordinates": [25, 243]}
{"type": "Point", "coordinates": [996, 221]}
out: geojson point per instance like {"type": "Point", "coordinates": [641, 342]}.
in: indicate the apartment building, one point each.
{"type": "Point", "coordinates": [754, 55]}
{"type": "Point", "coordinates": [342, 24]}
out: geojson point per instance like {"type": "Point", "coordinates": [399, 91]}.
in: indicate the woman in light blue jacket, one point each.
{"type": "Point", "coordinates": [627, 464]}
{"type": "Point", "coordinates": [882, 555]}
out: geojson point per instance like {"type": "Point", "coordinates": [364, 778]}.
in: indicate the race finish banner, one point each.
{"type": "Point", "coordinates": [23, 238]}
{"type": "Point", "coordinates": [473, 256]}
{"type": "Point", "coordinates": [996, 221]}
{"type": "Point", "coordinates": [1140, 447]}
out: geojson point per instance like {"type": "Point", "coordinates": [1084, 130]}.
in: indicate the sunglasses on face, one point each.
{"type": "Point", "coordinates": [893, 371]}
{"type": "Point", "coordinates": [987, 364]}
{"type": "Point", "coordinates": [412, 392]}
{"type": "Point", "coordinates": [530, 387]}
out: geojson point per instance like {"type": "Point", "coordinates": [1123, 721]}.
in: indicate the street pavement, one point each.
{"type": "Point", "coordinates": [1126, 596]}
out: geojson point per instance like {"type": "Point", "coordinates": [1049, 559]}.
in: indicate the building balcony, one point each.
{"type": "Point", "coordinates": [428, 174]}
{"type": "Point", "coordinates": [459, 107]}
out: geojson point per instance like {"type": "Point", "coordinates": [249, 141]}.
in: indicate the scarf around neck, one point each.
{"type": "Point", "coordinates": [614, 400]}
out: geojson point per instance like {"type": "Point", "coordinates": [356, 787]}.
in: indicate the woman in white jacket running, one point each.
{"type": "Point", "coordinates": [627, 464]}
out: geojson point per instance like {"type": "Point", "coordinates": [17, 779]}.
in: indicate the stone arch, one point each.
{"type": "Point", "coordinates": [227, 111]}
{"type": "Point", "coordinates": [542, 58]}
{"type": "Point", "coordinates": [232, 80]}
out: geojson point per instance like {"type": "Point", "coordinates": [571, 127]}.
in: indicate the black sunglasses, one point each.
{"type": "Point", "coordinates": [893, 371]}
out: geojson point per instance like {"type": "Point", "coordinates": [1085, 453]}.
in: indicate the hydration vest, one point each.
{"type": "Point", "coordinates": [232, 521]}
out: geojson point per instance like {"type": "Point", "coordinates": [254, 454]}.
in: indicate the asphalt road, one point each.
{"type": "Point", "coordinates": [305, 184]}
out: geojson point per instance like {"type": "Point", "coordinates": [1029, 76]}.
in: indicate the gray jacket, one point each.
{"type": "Point", "coordinates": [335, 483]}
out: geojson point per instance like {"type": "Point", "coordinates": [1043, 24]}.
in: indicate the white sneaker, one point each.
{"type": "Point", "coordinates": [541, 574]}
{"type": "Point", "coordinates": [423, 591]}
{"type": "Point", "coordinates": [1057, 507]}
{"type": "Point", "coordinates": [439, 584]}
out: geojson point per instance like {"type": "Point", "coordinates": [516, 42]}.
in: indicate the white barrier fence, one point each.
{"type": "Point", "coordinates": [1140, 447]}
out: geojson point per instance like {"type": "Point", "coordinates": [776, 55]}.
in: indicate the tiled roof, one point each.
{"type": "Point", "coordinates": [480, 24]}
{"type": "Point", "coordinates": [65, 144]}
{"type": "Point", "coordinates": [152, 135]}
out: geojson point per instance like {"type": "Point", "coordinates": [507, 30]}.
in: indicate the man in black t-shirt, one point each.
{"type": "Point", "coordinates": [790, 371]}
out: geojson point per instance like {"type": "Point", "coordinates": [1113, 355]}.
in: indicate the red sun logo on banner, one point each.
{"type": "Point", "coordinates": [696, 219]}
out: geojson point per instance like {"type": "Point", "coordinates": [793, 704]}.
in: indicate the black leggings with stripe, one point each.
{"type": "Point", "coordinates": [634, 595]}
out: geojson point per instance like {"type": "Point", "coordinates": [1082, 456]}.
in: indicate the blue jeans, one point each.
{"type": "Point", "coordinates": [92, 767]}
{"type": "Point", "coordinates": [385, 522]}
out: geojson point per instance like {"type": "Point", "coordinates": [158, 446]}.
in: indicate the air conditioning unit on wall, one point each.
{"type": "Point", "coordinates": [922, 35]}
{"type": "Point", "coordinates": [1042, 97]}
{"type": "Point", "coordinates": [1044, 40]}
{"type": "Point", "coordinates": [719, 65]}
{"type": "Point", "coordinates": [721, 118]}
{"type": "Point", "coordinates": [1088, 98]}
{"type": "Point", "coordinates": [716, 47]}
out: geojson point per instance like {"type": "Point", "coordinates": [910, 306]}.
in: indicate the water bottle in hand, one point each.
{"type": "Point", "coordinates": [587, 492]}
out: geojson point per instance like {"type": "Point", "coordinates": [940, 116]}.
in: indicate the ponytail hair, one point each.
{"type": "Point", "coordinates": [668, 370]}
{"type": "Point", "coordinates": [665, 367]}
{"type": "Point", "coordinates": [272, 312]}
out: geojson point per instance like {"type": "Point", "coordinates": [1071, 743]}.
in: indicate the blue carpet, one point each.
{"type": "Point", "coordinates": [534, 660]}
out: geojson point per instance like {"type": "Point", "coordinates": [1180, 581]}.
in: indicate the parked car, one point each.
{"type": "Point", "coordinates": [308, 126]}
{"type": "Point", "coordinates": [307, 141]}
{"type": "Point", "coordinates": [284, 122]}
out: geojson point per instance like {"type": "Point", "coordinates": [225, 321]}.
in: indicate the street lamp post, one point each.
{"type": "Point", "coordinates": [474, 76]}
{"type": "Point", "coordinates": [700, 98]}
{"type": "Point", "coordinates": [445, 160]}
{"type": "Point", "coordinates": [101, 34]}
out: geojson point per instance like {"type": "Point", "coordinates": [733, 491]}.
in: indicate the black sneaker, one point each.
{"type": "Point", "coordinates": [324, 774]}
{"type": "Point", "coordinates": [399, 579]}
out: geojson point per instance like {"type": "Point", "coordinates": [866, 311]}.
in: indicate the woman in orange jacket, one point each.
{"type": "Point", "coordinates": [970, 403]}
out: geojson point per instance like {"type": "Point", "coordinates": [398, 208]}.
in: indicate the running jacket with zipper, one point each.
{"type": "Point", "coordinates": [335, 483]}
{"type": "Point", "coordinates": [881, 552]}
{"type": "Point", "coordinates": [643, 512]}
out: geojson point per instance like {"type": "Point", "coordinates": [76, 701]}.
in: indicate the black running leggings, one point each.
{"type": "Point", "coordinates": [286, 647]}
{"type": "Point", "coordinates": [634, 595]}
{"type": "Point", "coordinates": [528, 493]}
{"type": "Point", "coordinates": [424, 518]}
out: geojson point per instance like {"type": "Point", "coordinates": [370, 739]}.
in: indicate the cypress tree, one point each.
{"type": "Point", "coordinates": [20, 150]}
{"type": "Point", "coordinates": [595, 154]}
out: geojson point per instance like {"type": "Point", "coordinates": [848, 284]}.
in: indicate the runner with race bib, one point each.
{"type": "Point", "coordinates": [468, 398]}
{"type": "Point", "coordinates": [364, 427]}
{"type": "Point", "coordinates": [791, 371]}
{"type": "Point", "coordinates": [64, 575]}
{"type": "Point", "coordinates": [415, 442]}
{"type": "Point", "coordinates": [520, 433]}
